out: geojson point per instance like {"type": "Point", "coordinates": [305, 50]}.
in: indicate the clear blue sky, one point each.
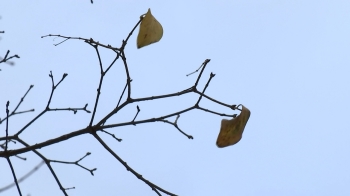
{"type": "Point", "coordinates": [287, 61]}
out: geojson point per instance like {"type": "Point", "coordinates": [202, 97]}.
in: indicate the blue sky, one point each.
{"type": "Point", "coordinates": [287, 61]}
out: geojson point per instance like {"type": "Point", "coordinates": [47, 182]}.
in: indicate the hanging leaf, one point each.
{"type": "Point", "coordinates": [151, 31]}
{"type": "Point", "coordinates": [231, 130]}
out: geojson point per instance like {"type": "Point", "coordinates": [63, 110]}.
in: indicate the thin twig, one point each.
{"type": "Point", "coordinates": [131, 32]}
{"type": "Point", "coordinates": [23, 177]}
{"type": "Point", "coordinates": [7, 157]}
{"type": "Point", "coordinates": [153, 186]}
{"type": "Point", "coordinates": [137, 113]}
{"type": "Point", "coordinates": [75, 110]}
{"type": "Point", "coordinates": [47, 162]}
{"type": "Point", "coordinates": [200, 74]}
{"type": "Point", "coordinates": [205, 87]}
{"type": "Point", "coordinates": [121, 96]}
{"type": "Point", "coordinates": [118, 139]}
{"type": "Point", "coordinates": [206, 61]}
{"type": "Point", "coordinates": [19, 103]}
{"type": "Point", "coordinates": [77, 163]}
{"type": "Point", "coordinates": [80, 38]}
{"type": "Point", "coordinates": [5, 59]}
{"type": "Point", "coordinates": [177, 127]}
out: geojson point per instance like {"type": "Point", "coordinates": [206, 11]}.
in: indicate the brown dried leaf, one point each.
{"type": "Point", "coordinates": [231, 130]}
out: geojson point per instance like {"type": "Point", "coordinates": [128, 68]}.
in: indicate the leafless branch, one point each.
{"type": "Point", "coordinates": [14, 112]}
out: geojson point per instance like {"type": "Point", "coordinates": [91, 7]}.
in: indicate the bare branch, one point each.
{"type": "Point", "coordinates": [91, 41]}
{"type": "Point", "coordinates": [75, 110]}
{"type": "Point", "coordinates": [8, 157]}
{"type": "Point", "coordinates": [153, 186]}
{"type": "Point", "coordinates": [77, 163]}
{"type": "Point", "coordinates": [23, 177]}
{"type": "Point", "coordinates": [118, 139]}
{"type": "Point", "coordinates": [6, 58]}
{"type": "Point", "coordinates": [177, 127]}
{"type": "Point", "coordinates": [19, 103]}
{"type": "Point", "coordinates": [138, 111]}
{"type": "Point", "coordinates": [205, 62]}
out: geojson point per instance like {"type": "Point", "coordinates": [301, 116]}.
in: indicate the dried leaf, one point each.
{"type": "Point", "coordinates": [231, 130]}
{"type": "Point", "coordinates": [151, 31]}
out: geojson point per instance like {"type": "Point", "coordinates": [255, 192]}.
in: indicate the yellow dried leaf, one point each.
{"type": "Point", "coordinates": [151, 31]}
{"type": "Point", "coordinates": [231, 130]}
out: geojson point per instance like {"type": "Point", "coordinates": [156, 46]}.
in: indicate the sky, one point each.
{"type": "Point", "coordinates": [286, 61]}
